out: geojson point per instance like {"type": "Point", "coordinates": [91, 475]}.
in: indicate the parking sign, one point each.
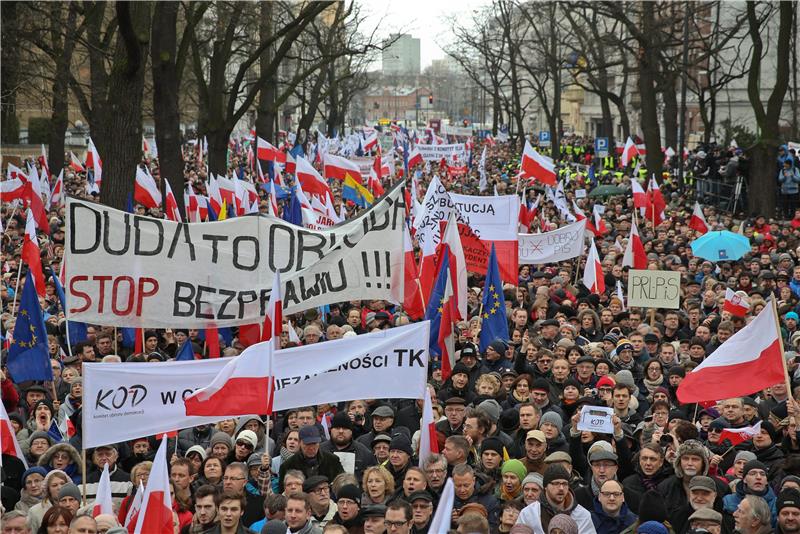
{"type": "Point", "coordinates": [601, 146]}
{"type": "Point", "coordinates": [544, 138]}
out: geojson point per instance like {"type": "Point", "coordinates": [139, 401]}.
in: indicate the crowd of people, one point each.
{"type": "Point", "coordinates": [507, 417]}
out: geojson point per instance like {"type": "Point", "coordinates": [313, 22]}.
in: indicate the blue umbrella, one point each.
{"type": "Point", "coordinates": [721, 246]}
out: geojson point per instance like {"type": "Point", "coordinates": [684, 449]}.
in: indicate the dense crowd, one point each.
{"type": "Point", "coordinates": [507, 417]}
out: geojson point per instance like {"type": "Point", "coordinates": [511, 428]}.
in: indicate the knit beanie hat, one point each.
{"type": "Point", "coordinates": [32, 471]}
{"type": "Point", "coordinates": [652, 508]}
{"type": "Point", "coordinates": [492, 444]}
{"type": "Point", "coordinates": [249, 436]}
{"type": "Point", "coordinates": [753, 464]}
{"type": "Point", "coordinates": [349, 491]}
{"type": "Point", "coordinates": [553, 418]}
{"type": "Point", "coordinates": [747, 456]}
{"type": "Point", "coordinates": [41, 434]}
{"type": "Point", "coordinates": [563, 522]}
{"type": "Point", "coordinates": [401, 443]}
{"type": "Point", "coordinates": [554, 472]}
{"type": "Point", "coordinates": [516, 467]}
{"type": "Point", "coordinates": [652, 527]}
{"type": "Point", "coordinates": [221, 437]}
{"type": "Point", "coordinates": [198, 449]}
{"type": "Point", "coordinates": [69, 490]}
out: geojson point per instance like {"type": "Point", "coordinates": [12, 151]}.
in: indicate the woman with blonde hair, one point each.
{"type": "Point", "coordinates": [377, 484]}
{"type": "Point", "coordinates": [52, 485]}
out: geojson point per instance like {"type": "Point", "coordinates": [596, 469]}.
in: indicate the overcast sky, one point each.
{"type": "Point", "coordinates": [426, 19]}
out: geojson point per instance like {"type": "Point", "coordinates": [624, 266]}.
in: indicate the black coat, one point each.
{"type": "Point", "coordinates": [326, 464]}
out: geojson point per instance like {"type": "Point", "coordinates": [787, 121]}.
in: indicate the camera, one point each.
{"type": "Point", "coordinates": [358, 418]}
{"type": "Point", "coordinates": [666, 439]}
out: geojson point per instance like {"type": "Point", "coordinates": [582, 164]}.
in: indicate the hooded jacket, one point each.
{"type": "Point", "coordinates": [672, 488]}
{"type": "Point", "coordinates": [731, 501]}
{"type": "Point", "coordinates": [75, 467]}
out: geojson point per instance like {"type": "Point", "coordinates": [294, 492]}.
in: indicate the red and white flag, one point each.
{"type": "Point", "coordinates": [227, 190]}
{"type": "Point", "coordinates": [414, 157]}
{"type": "Point", "coordinates": [145, 190]}
{"type": "Point", "coordinates": [444, 510]}
{"type": "Point", "coordinates": [313, 183]}
{"type": "Point", "coordinates": [628, 152]}
{"type": "Point", "coordinates": [538, 167]}
{"type": "Point", "coordinates": [32, 254]}
{"type": "Point", "coordinates": [427, 267]}
{"type": "Point", "coordinates": [93, 160]}
{"type": "Point", "coordinates": [103, 504]}
{"type": "Point", "coordinates": [337, 167]}
{"type": "Point", "coordinates": [273, 199]}
{"type": "Point", "coordinates": [639, 196]}
{"type": "Point", "coordinates": [240, 388]}
{"type": "Point", "coordinates": [136, 505]}
{"type": "Point", "coordinates": [698, 221]}
{"type": "Point", "coordinates": [265, 150]}
{"type": "Point", "coordinates": [45, 166]}
{"type": "Point", "coordinates": [428, 444]}
{"type": "Point", "coordinates": [12, 189]}
{"type": "Point", "coordinates": [736, 303]}
{"type": "Point", "coordinates": [655, 205]}
{"type": "Point", "coordinates": [738, 435]}
{"type": "Point", "coordinates": [458, 266]}
{"type": "Point", "coordinates": [593, 277]}
{"type": "Point", "coordinates": [214, 194]}
{"type": "Point", "coordinates": [370, 142]}
{"type": "Point", "coordinates": [155, 515]}
{"type": "Point", "coordinates": [171, 206]}
{"type": "Point", "coordinates": [8, 438]}
{"type": "Point", "coordinates": [33, 195]}
{"type": "Point", "coordinates": [273, 322]}
{"type": "Point", "coordinates": [74, 163]}
{"type": "Point", "coordinates": [754, 352]}
{"type": "Point", "coordinates": [635, 257]}
{"type": "Point", "coordinates": [57, 193]}
{"type": "Point", "coordinates": [412, 298]}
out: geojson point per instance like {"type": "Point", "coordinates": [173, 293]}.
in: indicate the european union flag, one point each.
{"type": "Point", "coordinates": [434, 311]}
{"type": "Point", "coordinates": [185, 354]}
{"type": "Point", "coordinates": [592, 176]}
{"type": "Point", "coordinates": [493, 317]}
{"type": "Point", "coordinates": [76, 331]}
{"type": "Point", "coordinates": [54, 432]}
{"type": "Point", "coordinates": [293, 213]}
{"type": "Point", "coordinates": [28, 357]}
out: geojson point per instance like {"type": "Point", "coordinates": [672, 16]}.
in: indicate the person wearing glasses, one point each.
{"type": "Point", "coordinates": [234, 480]}
{"type": "Point", "coordinates": [398, 517]}
{"type": "Point", "coordinates": [557, 498]}
{"type": "Point", "coordinates": [611, 515]}
{"type": "Point", "coordinates": [323, 509]}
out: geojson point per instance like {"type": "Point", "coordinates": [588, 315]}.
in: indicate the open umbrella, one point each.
{"type": "Point", "coordinates": [606, 191]}
{"type": "Point", "coordinates": [721, 246]}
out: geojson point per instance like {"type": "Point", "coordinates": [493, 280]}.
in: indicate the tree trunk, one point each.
{"type": "Point", "coordinates": [9, 73]}
{"type": "Point", "coordinates": [648, 65]}
{"type": "Point", "coordinates": [624, 121]}
{"type": "Point", "coordinates": [266, 116]}
{"type": "Point", "coordinates": [701, 103]}
{"type": "Point", "coordinates": [218, 150]}
{"type": "Point", "coordinates": [555, 66]}
{"type": "Point", "coordinates": [59, 118]}
{"type": "Point", "coordinates": [166, 110]}
{"type": "Point", "coordinates": [126, 86]}
{"type": "Point", "coordinates": [670, 99]}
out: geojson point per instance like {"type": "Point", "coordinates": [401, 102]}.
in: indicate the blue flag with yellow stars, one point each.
{"type": "Point", "coordinates": [493, 317]}
{"type": "Point", "coordinates": [28, 357]}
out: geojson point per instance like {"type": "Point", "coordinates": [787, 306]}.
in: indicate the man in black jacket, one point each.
{"type": "Point", "coordinates": [342, 441]}
{"type": "Point", "coordinates": [309, 459]}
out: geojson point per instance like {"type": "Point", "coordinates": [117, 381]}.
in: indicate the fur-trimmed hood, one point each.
{"type": "Point", "coordinates": [74, 455]}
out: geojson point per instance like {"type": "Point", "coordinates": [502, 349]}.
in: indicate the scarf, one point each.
{"type": "Point", "coordinates": [649, 483]}
{"type": "Point", "coordinates": [505, 496]}
{"type": "Point", "coordinates": [651, 385]}
{"type": "Point", "coordinates": [286, 454]}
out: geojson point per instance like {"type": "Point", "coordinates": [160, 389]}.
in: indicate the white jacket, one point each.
{"type": "Point", "coordinates": [531, 516]}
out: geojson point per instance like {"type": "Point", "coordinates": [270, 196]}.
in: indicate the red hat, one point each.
{"type": "Point", "coordinates": [606, 381]}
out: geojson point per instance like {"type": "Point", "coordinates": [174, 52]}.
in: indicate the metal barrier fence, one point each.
{"type": "Point", "coordinates": [722, 195]}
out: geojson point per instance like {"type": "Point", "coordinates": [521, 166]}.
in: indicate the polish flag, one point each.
{"type": "Point", "coordinates": [93, 160]}
{"type": "Point", "coordinates": [754, 352]}
{"type": "Point", "coordinates": [289, 163]}
{"type": "Point", "coordinates": [738, 435]}
{"type": "Point", "coordinates": [736, 303]}
{"type": "Point", "coordinates": [74, 163]}
{"type": "Point", "coordinates": [8, 438]}
{"type": "Point", "coordinates": [309, 217]}
{"type": "Point", "coordinates": [537, 166]}
{"type": "Point", "coordinates": [57, 193]}
{"type": "Point", "coordinates": [103, 503]}
{"type": "Point", "coordinates": [412, 299]}
{"type": "Point", "coordinates": [593, 277]}
{"type": "Point", "coordinates": [620, 295]}
{"type": "Point", "coordinates": [313, 183]}
{"type": "Point", "coordinates": [43, 161]}
{"type": "Point", "coordinates": [337, 167]}
{"type": "Point", "coordinates": [449, 314]}
{"type": "Point", "coordinates": [171, 208]}
{"type": "Point", "coordinates": [214, 194]}
{"type": "Point", "coordinates": [155, 515]}
{"type": "Point", "coordinates": [527, 214]}
{"type": "Point", "coordinates": [490, 140]}
{"type": "Point", "coordinates": [32, 254]}
{"type": "Point", "coordinates": [33, 194]}
{"type": "Point", "coordinates": [265, 150]}
{"type": "Point", "coordinates": [145, 147]}
{"type": "Point", "coordinates": [240, 388]}
{"type": "Point", "coordinates": [273, 322]}
{"type": "Point", "coordinates": [428, 266]}
{"type": "Point", "coordinates": [191, 204]}
{"type": "Point", "coordinates": [451, 241]}
{"type": "Point", "coordinates": [414, 157]}
{"type": "Point", "coordinates": [581, 215]}
{"type": "Point", "coordinates": [698, 220]}
{"type": "Point", "coordinates": [600, 227]}
{"type": "Point", "coordinates": [136, 505]}
{"type": "Point", "coordinates": [13, 189]}
{"type": "Point", "coordinates": [628, 152]}
{"type": "Point", "coordinates": [428, 444]}
{"type": "Point", "coordinates": [227, 191]}
{"type": "Point", "coordinates": [639, 196]}
{"type": "Point", "coordinates": [656, 204]}
{"type": "Point", "coordinates": [273, 199]}
{"type": "Point", "coordinates": [443, 517]}
{"type": "Point", "coordinates": [635, 257]}
{"type": "Point", "coordinates": [145, 190]}
{"type": "Point", "coordinates": [370, 142]}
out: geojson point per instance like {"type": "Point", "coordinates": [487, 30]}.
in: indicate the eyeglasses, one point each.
{"type": "Point", "coordinates": [611, 494]}
{"type": "Point", "coordinates": [421, 506]}
{"type": "Point", "coordinates": [435, 471]}
{"type": "Point", "coordinates": [231, 479]}
{"type": "Point", "coordinates": [394, 524]}
{"type": "Point", "coordinates": [244, 444]}
{"type": "Point", "coordinates": [321, 489]}
{"type": "Point", "coordinates": [560, 484]}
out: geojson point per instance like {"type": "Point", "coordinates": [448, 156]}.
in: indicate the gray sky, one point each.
{"type": "Point", "coordinates": [426, 19]}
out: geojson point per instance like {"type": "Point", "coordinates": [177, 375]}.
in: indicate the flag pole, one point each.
{"type": "Point", "coordinates": [83, 471]}
{"type": "Point", "coordinates": [16, 289]}
{"type": "Point", "coordinates": [780, 340]}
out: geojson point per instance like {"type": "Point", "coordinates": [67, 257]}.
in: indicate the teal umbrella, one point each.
{"type": "Point", "coordinates": [720, 246]}
{"type": "Point", "coordinates": [606, 191]}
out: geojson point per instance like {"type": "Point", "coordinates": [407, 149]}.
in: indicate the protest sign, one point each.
{"type": "Point", "coordinates": [596, 419]}
{"type": "Point", "coordinates": [364, 166]}
{"type": "Point", "coordinates": [463, 131]}
{"type": "Point", "coordinates": [130, 270]}
{"type": "Point", "coordinates": [128, 400]}
{"type": "Point", "coordinates": [559, 245]}
{"type": "Point", "coordinates": [448, 152]}
{"type": "Point", "coordinates": [654, 289]}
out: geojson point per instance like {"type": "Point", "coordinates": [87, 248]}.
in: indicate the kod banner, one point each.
{"type": "Point", "coordinates": [123, 401]}
{"type": "Point", "coordinates": [130, 270]}
{"type": "Point", "coordinates": [559, 245]}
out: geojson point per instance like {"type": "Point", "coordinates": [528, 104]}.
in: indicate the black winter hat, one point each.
{"type": "Point", "coordinates": [401, 443]}
{"type": "Point", "coordinates": [342, 420]}
{"type": "Point", "coordinates": [788, 498]}
{"type": "Point", "coordinates": [753, 464]}
{"type": "Point", "coordinates": [492, 444]}
{"type": "Point", "coordinates": [554, 472]}
{"type": "Point", "coordinates": [351, 492]}
{"type": "Point", "coordinates": [460, 368]}
{"type": "Point", "coordinates": [651, 508]}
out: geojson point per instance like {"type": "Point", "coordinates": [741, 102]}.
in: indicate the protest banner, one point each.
{"type": "Point", "coordinates": [448, 152]}
{"type": "Point", "coordinates": [654, 289]}
{"type": "Point", "coordinates": [463, 131]}
{"type": "Point", "coordinates": [563, 244]}
{"type": "Point", "coordinates": [136, 271]}
{"type": "Point", "coordinates": [128, 400]}
{"type": "Point", "coordinates": [364, 166]}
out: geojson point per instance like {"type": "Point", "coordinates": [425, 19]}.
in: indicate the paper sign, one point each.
{"type": "Point", "coordinates": [596, 419]}
{"type": "Point", "coordinates": [654, 289]}
{"type": "Point", "coordinates": [580, 193]}
{"type": "Point", "coordinates": [348, 460]}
